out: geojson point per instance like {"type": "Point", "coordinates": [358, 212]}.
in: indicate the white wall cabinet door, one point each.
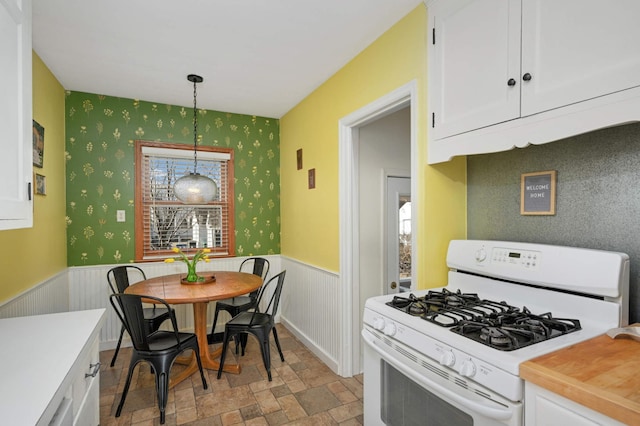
{"type": "Point", "coordinates": [475, 64]}
{"type": "Point", "coordinates": [16, 209]}
{"type": "Point", "coordinates": [499, 65]}
{"type": "Point", "coordinates": [576, 50]}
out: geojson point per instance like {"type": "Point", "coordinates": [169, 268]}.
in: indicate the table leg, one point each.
{"type": "Point", "coordinates": [208, 358]}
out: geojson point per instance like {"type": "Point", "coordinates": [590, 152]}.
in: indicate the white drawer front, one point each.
{"type": "Point", "coordinates": [86, 380]}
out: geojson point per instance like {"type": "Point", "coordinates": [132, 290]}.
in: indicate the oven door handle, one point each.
{"type": "Point", "coordinates": [489, 412]}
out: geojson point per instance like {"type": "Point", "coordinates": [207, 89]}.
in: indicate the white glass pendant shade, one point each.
{"type": "Point", "coordinates": [195, 188]}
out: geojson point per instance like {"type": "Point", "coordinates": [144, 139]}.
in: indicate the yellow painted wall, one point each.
{"type": "Point", "coordinates": [310, 218]}
{"type": "Point", "coordinates": [29, 256]}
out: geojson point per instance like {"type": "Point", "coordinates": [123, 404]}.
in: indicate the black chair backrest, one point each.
{"type": "Point", "coordinates": [260, 266]}
{"type": "Point", "coordinates": [128, 307]}
{"type": "Point", "coordinates": [274, 301]}
{"type": "Point", "coordinates": [120, 277]}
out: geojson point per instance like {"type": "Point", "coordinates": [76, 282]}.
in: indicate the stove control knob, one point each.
{"type": "Point", "coordinates": [448, 359]}
{"type": "Point", "coordinates": [378, 324]}
{"type": "Point", "coordinates": [468, 368]}
{"type": "Point", "coordinates": [390, 329]}
{"type": "Point", "coordinates": [481, 255]}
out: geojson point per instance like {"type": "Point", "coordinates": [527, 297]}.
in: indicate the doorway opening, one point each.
{"type": "Point", "coordinates": [349, 154]}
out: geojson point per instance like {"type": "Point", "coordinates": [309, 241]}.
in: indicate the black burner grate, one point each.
{"type": "Point", "coordinates": [495, 324]}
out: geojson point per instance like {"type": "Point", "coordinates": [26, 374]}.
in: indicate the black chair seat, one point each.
{"type": "Point", "coordinates": [240, 302]}
{"type": "Point", "coordinates": [250, 320]}
{"type": "Point", "coordinates": [165, 341]}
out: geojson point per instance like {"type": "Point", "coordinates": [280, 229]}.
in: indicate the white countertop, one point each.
{"type": "Point", "coordinates": [36, 354]}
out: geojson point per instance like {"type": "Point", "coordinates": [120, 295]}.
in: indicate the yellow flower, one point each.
{"type": "Point", "coordinates": [201, 254]}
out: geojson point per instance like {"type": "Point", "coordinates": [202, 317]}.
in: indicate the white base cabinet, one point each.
{"type": "Point", "coordinates": [545, 408]}
{"type": "Point", "coordinates": [500, 71]}
{"type": "Point", "coordinates": [50, 369]}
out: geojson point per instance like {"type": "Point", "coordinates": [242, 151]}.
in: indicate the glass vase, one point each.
{"type": "Point", "coordinates": [192, 276]}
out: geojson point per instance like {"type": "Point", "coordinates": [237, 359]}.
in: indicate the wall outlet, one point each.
{"type": "Point", "coordinates": [120, 216]}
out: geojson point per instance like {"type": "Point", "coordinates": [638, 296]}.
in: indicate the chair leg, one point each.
{"type": "Point", "coordinates": [162, 390]}
{"type": "Point", "coordinates": [275, 337]}
{"type": "Point", "coordinates": [125, 391]}
{"type": "Point", "coordinates": [223, 355]}
{"type": "Point", "coordinates": [266, 352]}
{"type": "Point", "coordinates": [242, 340]}
{"type": "Point", "coordinates": [115, 355]}
{"type": "Point", "coordinates": [215, 321]}
{"type": "Point", "coordinates": [197, 352]}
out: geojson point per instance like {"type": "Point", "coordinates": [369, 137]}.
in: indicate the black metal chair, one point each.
{"type": "Point", "coordinates": [239, 304]}
{"type": "Point", "coordinates": [118, 279]}
{"type": "Point", "coordinates": [260, 324]}
{"type": "Point", "coordinates": [159, 349]}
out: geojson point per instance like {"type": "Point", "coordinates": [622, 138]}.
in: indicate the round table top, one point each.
{"type": "Point", "coordinates": [168, 287]}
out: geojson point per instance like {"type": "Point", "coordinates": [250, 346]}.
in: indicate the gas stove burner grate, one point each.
{"type": "Point", "coordinates": [495, 324]}
{"type": "Point", "coordinates": [516, 330]}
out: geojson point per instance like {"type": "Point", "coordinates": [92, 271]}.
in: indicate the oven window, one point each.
{"type": "Point", "coordinates": [404, 403]}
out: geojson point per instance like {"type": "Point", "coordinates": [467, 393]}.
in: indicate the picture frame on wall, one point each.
{"type": "Point", "coordinates": [41, 184]}
{"type": "Point", "coordinates": [538, 193]}
{"type": "Point", "coordinates": [38, 144]}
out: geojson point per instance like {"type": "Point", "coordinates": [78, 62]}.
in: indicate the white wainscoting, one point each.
{"type": "Point", "coordinates": [309, 307]}
{"type": "Point", "coordinates": [48, 297]}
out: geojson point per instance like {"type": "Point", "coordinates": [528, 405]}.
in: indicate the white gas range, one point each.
{"type": "Point", "coordinates": [453, 353]}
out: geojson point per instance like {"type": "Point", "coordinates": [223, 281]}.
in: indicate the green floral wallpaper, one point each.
{"type": "Point", "coordinates": [100, 135]}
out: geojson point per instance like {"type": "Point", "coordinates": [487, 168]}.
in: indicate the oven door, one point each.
{"type": "Point", "coordinates": [403, 387]}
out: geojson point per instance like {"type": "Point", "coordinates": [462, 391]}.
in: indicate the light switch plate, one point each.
{"type": "Point", "coordinates": [120, 216]}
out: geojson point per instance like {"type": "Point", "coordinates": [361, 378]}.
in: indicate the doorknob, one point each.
{"type": "Point", "coordinates": [393, 285]}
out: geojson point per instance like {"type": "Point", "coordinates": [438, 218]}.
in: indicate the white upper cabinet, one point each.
{"type": "Point", "coordinates": [476, 52]}
{"type": "Point", "coordinates": [576, 50]}
{"type": "Point", "coordinates": [506, 73]}
{"type": "Point", "coordinates": [16, 208]}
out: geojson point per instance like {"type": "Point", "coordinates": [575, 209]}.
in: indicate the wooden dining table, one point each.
{"type": "Point", "coordinates": [227, 284]}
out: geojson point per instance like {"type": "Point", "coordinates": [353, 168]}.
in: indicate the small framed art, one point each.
{"type": "Point", "coordinates": [41, 184]}
{"type": "Point", "coordinates": [312, 178]}
{"type": "Point", "coordinates": [38, 144]}
{"type": "Point", "coordinates": [299, 159]}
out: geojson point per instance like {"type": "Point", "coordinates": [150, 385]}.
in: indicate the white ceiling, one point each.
{"type": "Point", "coordinates": [257, 57]}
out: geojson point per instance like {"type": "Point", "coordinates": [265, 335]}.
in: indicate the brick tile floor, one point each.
{"type": "Point", "coordinates": [304, 391]}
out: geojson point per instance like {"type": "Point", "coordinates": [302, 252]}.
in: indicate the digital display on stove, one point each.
{"type": "Point", "coordinates": [514, 255]}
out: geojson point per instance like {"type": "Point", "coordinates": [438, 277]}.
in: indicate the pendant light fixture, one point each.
{"type": "Point", "coordinates": [194, 188]}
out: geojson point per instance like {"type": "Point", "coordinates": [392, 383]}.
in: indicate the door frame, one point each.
{"type": "Point", "coordinates": [349, 280]}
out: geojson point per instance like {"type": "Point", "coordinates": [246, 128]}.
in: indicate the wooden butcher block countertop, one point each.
{"type": "Point", "coordinates": [601, 373]}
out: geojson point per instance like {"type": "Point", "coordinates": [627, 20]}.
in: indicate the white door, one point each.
{"type": "Point", "coordinates": [398, 244]}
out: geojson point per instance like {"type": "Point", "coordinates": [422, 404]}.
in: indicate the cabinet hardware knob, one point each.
{"type": "Point", "coordinates": [393, 285]}
{"type": "Point", "coordinates": [526, 77]}
{"type": "Point", "coordinates": [511, 82]}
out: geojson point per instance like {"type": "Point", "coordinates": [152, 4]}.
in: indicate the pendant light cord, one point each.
{"type": "Point", "coordinates": [195, 130]}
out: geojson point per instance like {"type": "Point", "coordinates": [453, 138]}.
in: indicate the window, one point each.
{"type": "Point", "coordinates": [162, 221]}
